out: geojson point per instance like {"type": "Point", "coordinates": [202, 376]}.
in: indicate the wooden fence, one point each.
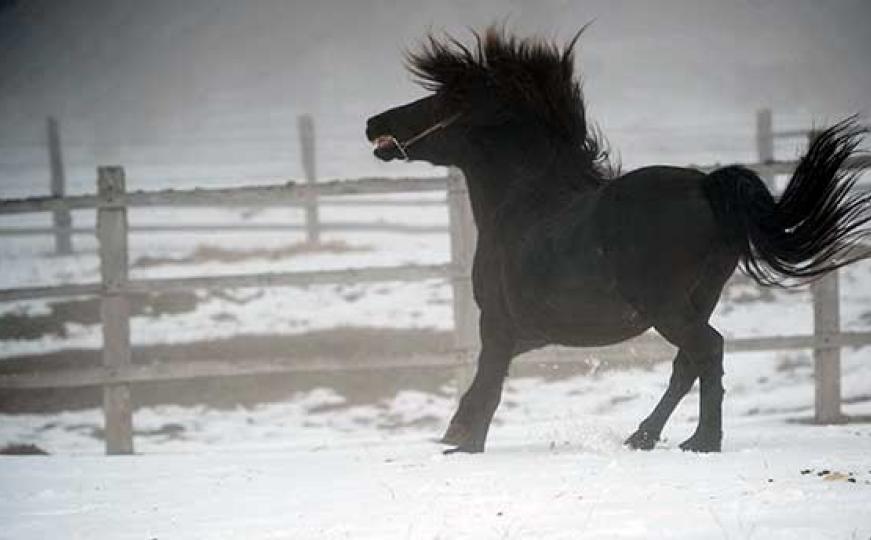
{"type": "Point", "coordinates": [312, 226]}
{"type": "Point", "coordinates": [827, 319]}
{"type": "Point", "coordinates": [118, 373]}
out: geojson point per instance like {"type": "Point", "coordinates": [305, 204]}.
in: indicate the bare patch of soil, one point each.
{"type": "Point", "coordinates": [369, 386]}
{"type": "Point", "coordinates": [366, 386]}
{"type": "Point", "coordinates": [22, 450]}
{"type": "Point", "coordinates": [87, 312]}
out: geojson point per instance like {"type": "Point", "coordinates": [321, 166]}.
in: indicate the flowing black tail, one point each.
{"type": "Point", "coordinates": [815, 224]}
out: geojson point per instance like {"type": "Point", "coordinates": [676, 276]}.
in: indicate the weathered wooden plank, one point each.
{"type": "Point", "coordinates": [47, 204]}
{"type": "Point", "coordinates": [647, 347]}
{"type": "Point", "coordinates": [463, 241]}
{"type": "Point", "coordinates": [114, 307]}
{"type": "Point", "coordinates": [765, 145]}
{"type": "Point", "coordinates": [192, 369]}
{"type": "Point", "coordinates": [306, 126]}
{"type": "Point", "coordinates": [260, 196]}
{"type": "Point", "coordinates": [55, 291]}
{"type": "Point", "coordinates": [784, 167]}
{"type": "Point", "coordinates": [280, 195]}
{"type": "Point", "coordinates": [827, 357]}
{"type": "Point", "coordinates": [860, 250]}
{"type": "Point", "coordinates": [319, 277]}
{"type": "Point", "coordinates": [224, 228]}
{"type": "Point", "coordinates": [652, 345]}
{"type": "Point", "coordinates": [44, 231]}
{"type": "Point", "coordinates": [63, 243]}
{"type": "Point", "coordinates": [85, 202]}
{"type": "Point", "coordinates": [297, 194]}
{"type": "Point", "coordinates": [416, 203]}
{"type": "Point", "coordinates": [796, 133]}
{"type": "Point", "coordinates": [789, 133]}
{"type": "Point", "coordinates": [780, 343]}
{"type": "Point", "coordinates": [383, 227]}
{"type": "Point", "coordinates": [764, 139]}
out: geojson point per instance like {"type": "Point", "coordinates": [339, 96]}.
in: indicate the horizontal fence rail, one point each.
{"type": "Point", "coordinates": [118, 371]}
{"type": "Point", "coordinates": [291, 193]}
{"type": "Point", "coordinates": [259, 196]}
{"type": "Point", "coordinates": [269, 279]}
{"type": "Point", "coordinates": [223, 228]}
{"type": "Point", "coordinates": [649, 347]}
{"type": "Point", "coordinates": [283, 196]}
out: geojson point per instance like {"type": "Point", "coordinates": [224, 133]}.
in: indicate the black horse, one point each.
{"type": "Point", "coordinates": [571, 253]}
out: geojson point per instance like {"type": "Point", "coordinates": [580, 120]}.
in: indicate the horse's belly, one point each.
{"type": "Point", "coordinates": [562, 287]}
{"type": "Point", "coordinates": [575, 314]}
{"type": "Point", "coordinates": [599, 322]}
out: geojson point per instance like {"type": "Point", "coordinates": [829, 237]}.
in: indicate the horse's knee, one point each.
{"type": "Point", "coordinates": [704, 348]}
{"type": "Point", "coordinates": [705, 343]}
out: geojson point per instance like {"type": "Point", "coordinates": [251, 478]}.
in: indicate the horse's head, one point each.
{"type": "Point", "coordinates": [426, 129]}
{"type": "Point", "coordinates": [520, 95]}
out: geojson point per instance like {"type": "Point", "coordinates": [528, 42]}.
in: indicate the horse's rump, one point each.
{"type": "Point", "coordinates": [659, 233]}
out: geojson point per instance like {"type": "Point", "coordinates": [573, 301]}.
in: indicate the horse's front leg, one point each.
{"type": "Point", "coordinates": [469, 425]}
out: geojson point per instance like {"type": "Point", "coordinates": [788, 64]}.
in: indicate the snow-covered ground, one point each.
{"type": "Point", "coordinates": [555, 466]}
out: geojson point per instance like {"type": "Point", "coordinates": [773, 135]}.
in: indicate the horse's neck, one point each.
{"type": "Point", "coordinates": [503, 193]}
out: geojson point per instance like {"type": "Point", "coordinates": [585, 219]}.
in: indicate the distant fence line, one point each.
{"type": "Point", "coordinates": [117, 372]}
{"type": "Point", "coordinates": [63, 229]}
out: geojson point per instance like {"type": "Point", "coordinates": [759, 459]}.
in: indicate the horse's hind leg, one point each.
{"type": "Point", "coordinates": [683, 375]}
{"type": "Point", "coordinates": [700, 355]}
{"type": "Point", "coordinates": [704, 348]}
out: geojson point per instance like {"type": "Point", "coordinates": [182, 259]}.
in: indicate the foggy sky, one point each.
{"type": "Point", "coordinates": [142, 69]}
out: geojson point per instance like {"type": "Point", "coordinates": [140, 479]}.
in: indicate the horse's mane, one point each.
{"type": "Point", "coordinates": [530, 75]}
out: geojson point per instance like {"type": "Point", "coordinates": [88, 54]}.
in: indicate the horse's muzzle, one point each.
{"type": "Point", "coordinates": [387, 148]}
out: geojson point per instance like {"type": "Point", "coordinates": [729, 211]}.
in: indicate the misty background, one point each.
{"type": "Point", "coordinates": [207, 92]}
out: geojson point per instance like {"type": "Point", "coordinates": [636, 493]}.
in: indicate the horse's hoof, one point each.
{"type": "Point", "coordinates": [642, 440]}
{"type": "Point", "coordinates": [455, 435]}
{"type": "Point", "coordinates": [465, 449]}
{"type": "Point", "coordinates": [702, 443]}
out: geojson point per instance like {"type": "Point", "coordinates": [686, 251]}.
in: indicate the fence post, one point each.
{"type": "Point", "coordinates": [307, 148]}
{"type": "Point", "coordinates": [463, 237]}
{"type": "Point", "coordinates": [765, 143]}
{"type": "Point", "coordinates": [827, 357]}
{"type": "Point", "coordinates": [114, 306]}
{"type": "Point", "coordinates": [63, 221]}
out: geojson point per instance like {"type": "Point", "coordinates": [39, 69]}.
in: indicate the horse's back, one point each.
{"type": "Point", "coordinates": [655, 211]}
